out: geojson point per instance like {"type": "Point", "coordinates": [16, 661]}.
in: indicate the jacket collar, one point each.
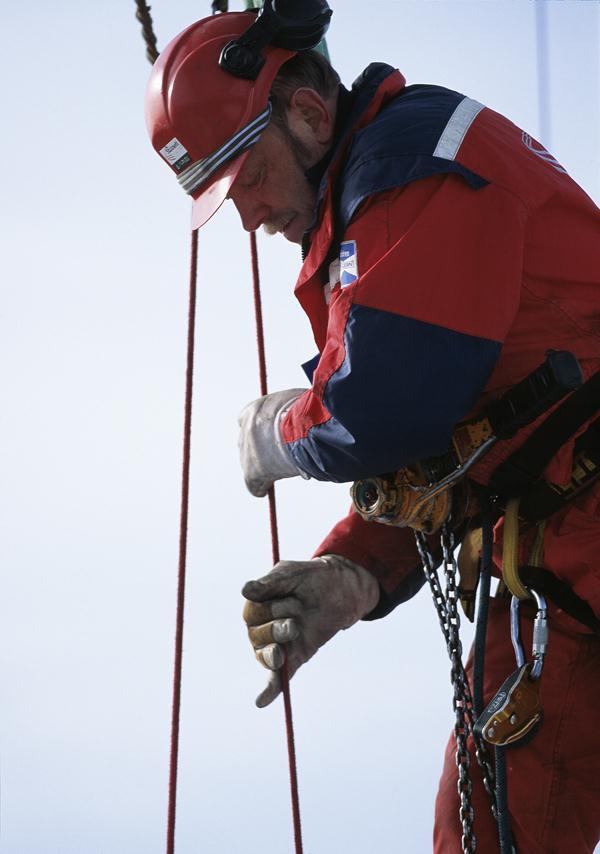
{"type": "Point", "coordinates": [377, 85]}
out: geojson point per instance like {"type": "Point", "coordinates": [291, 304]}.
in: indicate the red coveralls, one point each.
{"type": "Point", "coordinates": [516, 262]}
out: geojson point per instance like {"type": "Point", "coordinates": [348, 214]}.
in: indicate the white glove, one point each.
{"type": "Point", "coordinates": [299, 606]}
{"type": "Point", "coordinates": [263, 454]}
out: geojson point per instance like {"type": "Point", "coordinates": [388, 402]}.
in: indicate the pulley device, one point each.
{"type": "Point", "coordinates": [422, 496]}
{"type": "Point", "coordinates": [289, 24]}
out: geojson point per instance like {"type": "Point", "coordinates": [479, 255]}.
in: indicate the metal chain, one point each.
{"type": "Point", "coordinates": [446, 605]}
{"type": "Point", "coordinates": [481, 752]}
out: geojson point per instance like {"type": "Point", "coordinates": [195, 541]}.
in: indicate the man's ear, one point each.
{"type": "Point", "coordinates": [310, 117]}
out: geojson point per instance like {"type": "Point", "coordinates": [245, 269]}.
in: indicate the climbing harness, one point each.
{"type": "Point", "coordinates": [433, 496]}
{"type": "Point", "coordinates": [422, 496]}
{"type": "Point", "coordinates": [520, 475]}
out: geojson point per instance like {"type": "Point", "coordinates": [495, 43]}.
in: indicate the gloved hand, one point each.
{"type": "Point", "coordinates": [263, 454]}
{"type": "Point", "coordinates": [299, 606]}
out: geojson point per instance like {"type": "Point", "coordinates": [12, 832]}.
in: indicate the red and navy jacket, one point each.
{"type": "Point", "coordinates": [450, 251]}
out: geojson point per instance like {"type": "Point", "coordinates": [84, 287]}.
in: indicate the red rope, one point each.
{"type": "Point", "coordinates": [285, 680]}
{"type": "Point", "coordinates": [183, 525]}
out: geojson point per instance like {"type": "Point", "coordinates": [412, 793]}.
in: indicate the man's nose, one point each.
{"type": "Point", "coordinates": [252, 213]}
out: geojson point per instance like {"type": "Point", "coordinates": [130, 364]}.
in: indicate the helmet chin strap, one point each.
{"type": "Point", "coordinates": [291, 24]}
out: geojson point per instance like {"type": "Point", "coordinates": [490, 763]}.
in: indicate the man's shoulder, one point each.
{"type": "Point", "coordinates": [410, 124]}
{"type": "Point", "coordinates": [401, 145]}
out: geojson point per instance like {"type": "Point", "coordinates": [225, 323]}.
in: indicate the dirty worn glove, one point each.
{"type": "Point", "coordinates": [263, 454]}
{"type": "Point", "coordinates": [299, 606]}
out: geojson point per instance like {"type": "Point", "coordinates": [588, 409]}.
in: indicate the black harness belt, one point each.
{"type": "Point", "coordinates": [520, 475]}
{"type": "Point", "coordinates": [561, 594]}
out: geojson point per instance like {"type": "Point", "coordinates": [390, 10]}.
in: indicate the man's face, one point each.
{"type": "Point", "coordinates": [271, 189]}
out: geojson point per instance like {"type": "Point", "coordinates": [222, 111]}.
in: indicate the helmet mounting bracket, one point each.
{"type": "Point", "coordinates": [291, 24]}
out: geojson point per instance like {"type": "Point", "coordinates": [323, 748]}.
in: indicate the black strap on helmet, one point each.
{"type": "Point", "coordinates": [290, 24]}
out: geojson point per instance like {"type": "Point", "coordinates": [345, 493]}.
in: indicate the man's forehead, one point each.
{"type": "Point", "coordinates": [254, 160]}
{"type": "Point", "coordinates": [260, 153]}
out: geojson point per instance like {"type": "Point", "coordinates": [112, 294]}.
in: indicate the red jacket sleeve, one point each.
{"type": "Point", "coordinates": [388, 553]}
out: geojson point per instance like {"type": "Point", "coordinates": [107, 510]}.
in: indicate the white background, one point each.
{"type": "Point", "coordinates": [95, 235]}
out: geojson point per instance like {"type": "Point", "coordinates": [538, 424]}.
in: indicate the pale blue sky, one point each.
{"type": "Point", "coordinates": [94, 234]}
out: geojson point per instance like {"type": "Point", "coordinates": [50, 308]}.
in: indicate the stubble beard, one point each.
{"type": "Point", "coordinates": [301, 156]}
{"type": "Point", "coordinates": [275, 227]}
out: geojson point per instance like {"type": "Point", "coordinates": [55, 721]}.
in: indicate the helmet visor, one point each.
{"type": "Point", "coordinates": [210, 200]}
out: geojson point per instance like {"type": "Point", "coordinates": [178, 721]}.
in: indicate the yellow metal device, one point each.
{"type": "Point", "coordinates": [399, 499]}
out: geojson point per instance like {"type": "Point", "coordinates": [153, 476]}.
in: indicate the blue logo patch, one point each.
{"type": "Point", "coordinates": [348, 263]}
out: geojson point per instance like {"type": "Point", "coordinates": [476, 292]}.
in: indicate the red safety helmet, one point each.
{"type": "Point", "coordinates": [202, 119]}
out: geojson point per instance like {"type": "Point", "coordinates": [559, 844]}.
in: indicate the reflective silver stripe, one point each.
{"type": "Point", "coordinates": [191, 178]}
{"type": "Point", "coordinates": [455, 131]}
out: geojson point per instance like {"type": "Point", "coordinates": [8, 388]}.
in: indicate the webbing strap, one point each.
{"type": "Point", "coordinates": [519, 579]}
{"type": "Point", "coordinates": [537, 552]}
{"type": "Point", "coordinates": [510, 549]}
{"type": "Point", "coordinates": [561, 595]}
{"type": "Point", "coordinates": [543, 499]}
{"type": "Point", "coordinates": [526, 465]}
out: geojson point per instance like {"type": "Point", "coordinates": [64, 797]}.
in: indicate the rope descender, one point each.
{"type": "Point", "coordinates": [515, 711]}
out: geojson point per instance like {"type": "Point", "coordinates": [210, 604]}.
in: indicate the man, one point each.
{"type": "Point", "coordinates": [445, 252]}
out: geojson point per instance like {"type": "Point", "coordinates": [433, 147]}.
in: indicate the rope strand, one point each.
{"type": "Point", "coordinates": [262, 371]}
{"type": "Point", "coordinates": [183, 530]}
{"type": "Point", "coordinates": [285, 679]}
{"type": "Point", "coordinates": [145, 18]}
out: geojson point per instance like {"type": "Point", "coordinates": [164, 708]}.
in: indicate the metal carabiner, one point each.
{"type": "Point", "coordinates": [540, 633]}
